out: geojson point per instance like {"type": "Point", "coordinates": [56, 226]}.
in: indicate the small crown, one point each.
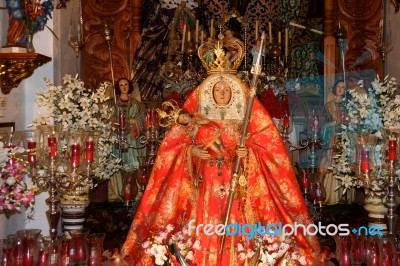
{"type": "Point", "coordinates": [221, 56]}
{"type": "Point", "coordinates": [168, 113]}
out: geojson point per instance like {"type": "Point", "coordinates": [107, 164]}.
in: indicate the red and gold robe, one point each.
{"type": "Point", "coordinates": [270, 194]}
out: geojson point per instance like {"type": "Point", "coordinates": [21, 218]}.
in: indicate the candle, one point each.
{"type": "Point", "coordinates": [122, 120]}
{"type": "Point", "coordinates": [31, 145]}
{"type": "Point", "coordinates": [75, 154]}
{"type": "Point", "coordinates": [183, 38]}
{"type": "Point", "coordinates": [318, 192]}
{"type": "Point", "coordinates": [279, 37]}
{"type": "Point", "coordinates": [256, 30]}
{"type": "Point", "coordinates": [392, 149]}
{"type": "Point", "coordinates": [89, 150]}
{"type": "Point", "coordinates": [286, 42]}
{"type": "Point", "coordinates": [28, 251]}
{"type": "Point", "coordinates": [196, 40]}
{"type": "Point", "coordinates": [52, 142]}
{"type": "Point", "coordinates": [270, 31]}
{"type": "Point", "coordinates": [286, 120]}
{"type": "Point", "coordinates": [212, 28]}
{"type": "Point", "coordinates": [202, 36]}
{"type": "Point", "coordinates": [304, 180]}
{"type": "Point", "coordinates": [127, 192]}
{"type": "Point", "coordinates": [148, 119]}
{"type": "Point", "coordinates": [260, 51]}
{"type": "Point", "coordinates": [365, 164]}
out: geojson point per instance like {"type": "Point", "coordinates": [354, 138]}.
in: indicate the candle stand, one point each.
{"type": "Point", "coordinates": [56, 170]}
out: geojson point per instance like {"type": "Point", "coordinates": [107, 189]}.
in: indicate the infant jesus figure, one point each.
{"type": "Point", "coordinates": [203, 131]}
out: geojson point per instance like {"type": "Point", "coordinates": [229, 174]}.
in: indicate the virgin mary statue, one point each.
{"type": "Point", "coordinates": [188, 189]}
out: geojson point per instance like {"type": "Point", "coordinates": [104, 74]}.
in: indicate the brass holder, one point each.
{"type": "Point", "coordinates": [14, 67]}
{"type": "Point", "coordinates": [391, 204]}
{"type": "Point", "coordinates": [312, 143]}
{"type": "Point", "coordinates": [56, 183]}
{"type": "Point", "coordinates": [152, 140]}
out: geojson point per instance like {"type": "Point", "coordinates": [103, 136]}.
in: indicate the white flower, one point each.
{"type": "Point", "coordinates": [196, 245]}
{"type": "Point", "coordinates": [189, 255]}
{"type": "Point", "coordinates": [170, 228]}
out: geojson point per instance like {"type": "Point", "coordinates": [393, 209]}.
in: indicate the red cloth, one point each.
{"type": "Point", "coordinates": [274, 107]}
{"type": "Point", "coordinates": [271, 194]}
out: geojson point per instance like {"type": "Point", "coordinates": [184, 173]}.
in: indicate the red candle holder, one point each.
{"type": "Point", "coordinates": [122, 120]}
{"type": "Point", "coordinates": [75, 155]}
{"type": "Point", "coordinates": [365, 161]}
{"type": "Point", "coordinates": [89, 152]}
{"type": "Point", "coordinates": [392, 149]}
{"type": "Point", "coordinates": [52, 142]}
{"type": "Point", "coordinates": [148, 121]}
{"type": "Point", "coordinates": [305, 182]}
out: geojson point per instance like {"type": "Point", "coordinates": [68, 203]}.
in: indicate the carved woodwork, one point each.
{"type": "Point", "coordinates": [14, 67]}
{"type": "Point", "coordinates": [124, 17]}
{"type": "Point", "coordinates": [361, 20]}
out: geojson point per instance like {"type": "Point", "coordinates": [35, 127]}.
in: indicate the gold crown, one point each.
{"type": "Point", "coordinates": [168, 113]}
{"type": "Point", "coordinates": [222, 56]}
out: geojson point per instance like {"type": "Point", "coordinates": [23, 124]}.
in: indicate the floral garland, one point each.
{"type": "Point", "coordinates": [16, 188]}
{"type": "Point", "coordinates": [34, 13]}
{"type": "Point", "coordinates": [77, 108]}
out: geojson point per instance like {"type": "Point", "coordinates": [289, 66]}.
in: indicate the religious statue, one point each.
{"type": "Point", "coordinates": [267, 192]}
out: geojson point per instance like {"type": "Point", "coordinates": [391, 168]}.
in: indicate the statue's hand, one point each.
{"type": "Point", "coordinates": [198, 151]}
{"type": "Point", "coordinates": [242, 152]}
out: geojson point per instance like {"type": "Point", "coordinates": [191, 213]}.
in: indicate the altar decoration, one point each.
{"type": "Point", "coordinates": [35, 15]}
{"type": "Point", "coordinates": [165, 243]}
{"type": "Point", "coordinates": [75, 151]}
{"type": "Point", "coordinates": [17, 189]}
{"type": "Point", "coordinates": [77, 108]}
{"type": "Point", "coordinates": [367, 148]}
{"type": "Point", "coordinates": [171, 248]}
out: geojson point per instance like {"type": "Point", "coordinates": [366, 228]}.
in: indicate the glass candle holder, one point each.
{"type": "Point", "coordinates": [76, 145]}
{"type": "Point", "coordinates": [49, 141]}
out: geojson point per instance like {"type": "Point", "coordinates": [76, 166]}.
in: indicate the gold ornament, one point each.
{"type": "Point", "coordinates": [168, 113]}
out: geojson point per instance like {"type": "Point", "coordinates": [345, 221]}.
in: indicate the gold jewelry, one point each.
{"type": "Point", "coordinates": [168, 113]}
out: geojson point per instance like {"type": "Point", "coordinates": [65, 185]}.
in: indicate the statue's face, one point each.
{"type": "Point", "coordinates": [123, 86]}
{"type": "Point", "coordinates": [222, 93]}
{"type": "Point", "coordinates": [340, 89]}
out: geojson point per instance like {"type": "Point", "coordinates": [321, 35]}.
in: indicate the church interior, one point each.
{"type": "Point", "coordinates": [94, 144]}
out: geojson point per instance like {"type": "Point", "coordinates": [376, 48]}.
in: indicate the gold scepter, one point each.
{"type": "Point", "coordinates": [256, 71]}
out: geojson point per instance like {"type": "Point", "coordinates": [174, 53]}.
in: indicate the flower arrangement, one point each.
{"type": "Point", "coordinates": [389, 100]}
{"type": "Point", "coordinates": [34, 13]}
{"type": "Point", "coordinates": [369, 110]}
{"type": "Point", "coordinates": [274, 250]}
{"type": "Point", "coordinates": [16, 189]}
{"type": "Point", "coordinates": [160, 245]}
{"type": "Point", "coordinates": [78, 108]}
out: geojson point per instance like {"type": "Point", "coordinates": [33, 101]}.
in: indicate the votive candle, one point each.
{"type": "Point", "coordinates": [122, 120]}
{"type": "Point", "coordinates": [75, 154]}
{"type": "Point", "coordinates": [89, 150]}
{"type": "Point", "coordinates": [52, 142]}
{"type": "Point", "coordinates": [31, 151]}
{"type": "Point", "coordinates": [392, 149]}
{"type": "Point", "coordinates": [286, 120]}
{"type": "Point", "coordinates": [365, 163]}
{"type": "Point", "coordinates": [304, 180]}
